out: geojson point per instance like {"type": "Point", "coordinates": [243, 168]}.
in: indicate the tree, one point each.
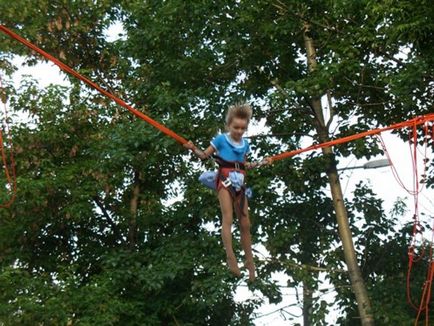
{"type": "Point", "coordinates": [183, 63]}
{"type": "Point", "coordinates": [264, 61]}
{"type": "Point", "coordinates": [89, 238]}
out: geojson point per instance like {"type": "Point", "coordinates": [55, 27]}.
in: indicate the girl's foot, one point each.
{"type": "Point", "coordinates": [250, 265]}
{"type": "Point", "coordinates": [233, 266]}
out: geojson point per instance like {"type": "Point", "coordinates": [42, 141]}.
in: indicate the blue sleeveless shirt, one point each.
{"type": "Point", "coordinates": [228, 150]}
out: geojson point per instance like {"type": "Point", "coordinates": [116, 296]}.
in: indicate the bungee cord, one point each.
{"type": "Point", "coordinates": [418, 186]}
{"type": "Point", "coordinates": [74, 73]}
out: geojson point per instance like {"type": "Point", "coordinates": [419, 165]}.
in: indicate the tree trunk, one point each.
{"type": "Point", "coordinates": [357, 282]}
{"type": "Point", "coordinates": [307, 304]}
{"type": "Point", "coordinates": [134, 203]}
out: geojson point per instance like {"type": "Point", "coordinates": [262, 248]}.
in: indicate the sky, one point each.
{"type": "Point", "coordinates": [381, 180]}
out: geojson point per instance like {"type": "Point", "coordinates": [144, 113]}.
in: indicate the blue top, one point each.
{"type": "Point", "coordinates": [229, 150]}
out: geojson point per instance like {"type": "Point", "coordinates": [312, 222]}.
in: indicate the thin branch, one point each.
{"type": "Point", "coordinates": [364, 86]}
{"type": "Point", "coordinates": [315, 120]}
{"type": "Point", "coordinates": [278, 135]}
{"type": "Point", "coordinates": [308, 267]}
{"type": "Point", "coordinates": [316, 268]}
{"type": "Point", "coordinates": [387, 56]}
{"type": "Point", "coordinates": [368, 104]}
{"type": "Point", "coordinates": [281, 6]}
{"type": "Point", "coordinates": [284, 8]}
{"type": "Point", "coordinates": [282, 309]}
{"type": "Point", "coordinates": [276, 84]}
{"type": "Point", "coordinates": [104, 211]}
{"type": "Point", "coordinates": [176, 321]}
{"type": "Point", "coordinates": [272, 111]}
{"type": "Point", "coordinates": [331, 109]}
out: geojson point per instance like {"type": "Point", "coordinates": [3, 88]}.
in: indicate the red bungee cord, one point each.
{"type": "Point", "coordinates": [413, 122]}
{"type": "Point", "coordinates": [72, 72]}
{"type": "Point", "coordinates": [423, 306]}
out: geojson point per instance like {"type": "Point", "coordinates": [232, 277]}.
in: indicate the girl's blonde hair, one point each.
{"type": "Point", "coordinates": [240, 111]}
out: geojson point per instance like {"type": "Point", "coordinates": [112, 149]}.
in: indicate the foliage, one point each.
{"type": "Point", "coordinates": [90, 239]}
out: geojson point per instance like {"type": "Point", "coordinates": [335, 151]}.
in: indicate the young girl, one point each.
{"type": "Point", "coordinates": [231, 149]}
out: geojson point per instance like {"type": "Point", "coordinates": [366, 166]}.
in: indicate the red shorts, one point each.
{"type": "Point", "coordinates": [225, 173]}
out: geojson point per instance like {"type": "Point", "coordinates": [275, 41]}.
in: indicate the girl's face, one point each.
{"type": "Point", "coordinates": [237, 128]}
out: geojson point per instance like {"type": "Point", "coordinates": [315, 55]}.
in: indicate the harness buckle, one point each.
{"type": "Point", "coordinates": [227, 183]}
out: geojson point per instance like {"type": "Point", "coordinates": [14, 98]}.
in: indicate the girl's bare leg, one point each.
{"type": "Point", "coordinates": [246, 242]}
{"type": "Point", "coordinates": [225, 200]}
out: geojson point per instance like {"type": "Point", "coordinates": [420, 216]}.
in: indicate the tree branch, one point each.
{"type": "Point", "coordinates": [364, 86]}
{"type": "Point", "coordinates": [134, 204]}
{"type": "Point", "coordinates": [308, 267]}
{"type": "Point", "coordinates": [331, 109]}
{"type": "Point", "coordinates": [106, 214]}
{"type": "Point", "coordinates": [278, 135]}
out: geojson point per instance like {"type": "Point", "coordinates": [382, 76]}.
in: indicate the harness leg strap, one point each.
{"type": "Point", "coordinates": [237, 198]}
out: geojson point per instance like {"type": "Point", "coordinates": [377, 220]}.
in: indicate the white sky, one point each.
{"type": "Point", "coordinates": [382, 181]}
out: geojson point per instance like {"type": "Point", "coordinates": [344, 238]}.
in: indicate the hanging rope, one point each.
{"type": "Point", "coordinates": [8, 162]}
{"type": "Point", "coordinates": [417, 229]}
{"type": "Point", "coordinates": [72, 72]}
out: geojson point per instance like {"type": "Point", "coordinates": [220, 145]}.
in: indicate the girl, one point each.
{"type": "Point", "coordinates": [231, 149]}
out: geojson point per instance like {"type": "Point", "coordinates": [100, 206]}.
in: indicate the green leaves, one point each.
{"type": "Point", "coordinates": [90, 223]}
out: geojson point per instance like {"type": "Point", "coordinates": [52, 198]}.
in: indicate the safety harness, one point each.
{"type": "Point", "coordinates": [238, 196]}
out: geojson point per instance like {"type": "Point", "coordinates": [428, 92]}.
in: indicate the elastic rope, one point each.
{"type": "Point", "coordinates": [72, 72]}
{"type": "Point", "coordinates": [414, 121]}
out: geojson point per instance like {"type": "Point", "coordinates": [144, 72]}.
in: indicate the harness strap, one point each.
{"type": "Point", "coordinates": [229, 164]}
{"type": "Point", "coordinates": [238, 197]}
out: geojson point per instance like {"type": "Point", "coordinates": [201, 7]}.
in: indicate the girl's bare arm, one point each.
{"type": "Point", "coordinates": [252, 165]}
{"type": "Point", "coordinates": [198, 152]}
